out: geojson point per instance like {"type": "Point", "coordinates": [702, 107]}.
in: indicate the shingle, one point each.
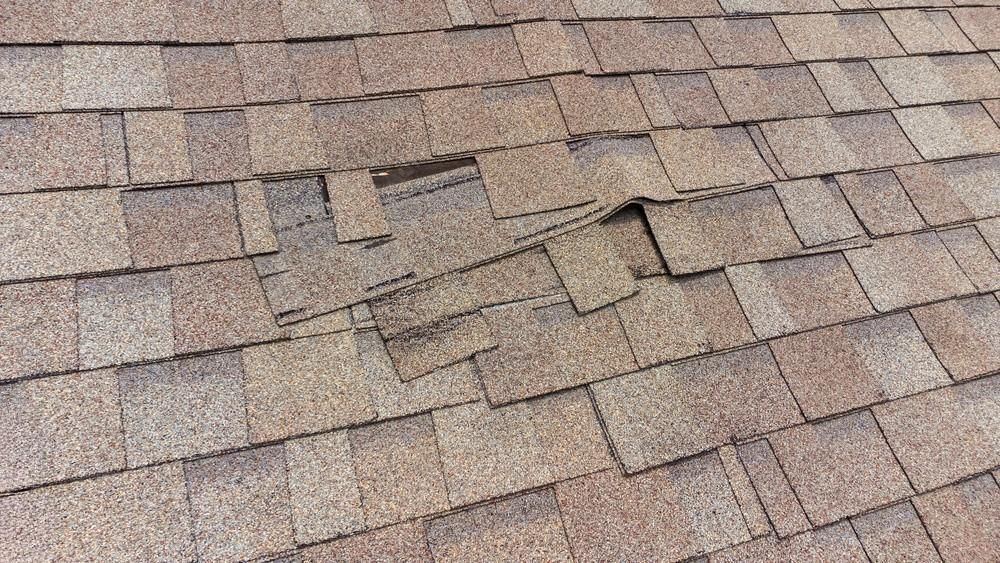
{"type": "Point", "coordinates": [544, 346]}
{"type": "Point", "coordinates": [840, 467]}
{"type": "Point", "coordinates": [795, 294]}
{"type": "Point", "coordinates": [631, 236]}
{"type": "Point", "coordinates": [837, 36]}
{"type": "Point", "coordinates": [30, 79]}
{"type": "Point", "coordinates": [325, 18]}
{"type": "Point", "coordinates": [832, 543]}
{"type": "Point", "coordinates": [323, 487]}
{"type": "Point", "coordinates": [521, 10]}
{"type": "Point", "coordinates": [622, 168]}
{"type": "Point", "coordinates": [964, 333]}
{"type": "Point", "coordinates": [218, 305]}
{"type": "Point", "coordinates": [283, 139]}
{"type": "Point", "coordinates": [62, 233]}
{"type": "Point", "coordinates": [255, 223]}
{"type": "Point", "coordinates": [527, 527]}
{"type": "Point", "coordinates": [227, 21]}
{"type": "Point", "coordinates": [659, 107]}
{"type": "Point", "coordinates": [325, 69]}
{"type": "Point", "coordinates": [137, 515]}
{"type": "Point", "coordinates": [823, 145]}
{"type": "Point", "coordinates": [304, 385]}
{"type": "Point", "coordinates": [950, 131]}
{"type": "Point", "coordinates": [690, 99]}
{"type": "Point", "coordinates": [710, 158]}
{"type": "Point", "coordinates": [672, 318]}
{"type": "Point", "coordinates": [115, 152]}
{"type": "Point", "coordinates": [744, 388]}
{"type": "Point", "coordinates": [980, 25]}
{"type": "Point", "coordinates": [942, 78]}
{"type": "Point", "coordinates": [775, 493]}
{"type": "Point", "coordinates": [38, 328]}
{"type": "Point", "coordinates": [203, 76]}
{"type": "Point", "coordinates": [182, 225]}
{"type": "Point", "coordinates": [124, 319]}
{"type": "Point", "coordinates": [373, 132]}
{"type": "Point", "coordinates": [182, 408]}
{"type": "Point", "coordinates": [20, 148]}
{"type": "Point", "coordinates": [637, 46]}
{"type": "Point", "coordinates": [59, 428]}
{"type": "Point", "coordinates": [545, 48]}
{"type": "Point", "coordinates": [357, 212]}
{"type": "Point", "coordinates": [670, 513]}
{"type": "Point", "coordinates": [531, 179]}
{"type": "Point", "coordinates": [750, 505]}
{"type": "Point", "coordinates": [817, 210]}
{"type": "Point", "coordinates": [392, 17]}
{"type": "Point", "coordinates": [407, 62]}
{"type": "Point", "coordinates": [946, 434]}
{"type": "Point", "coordinates": [403, 542]}
{"type": "Point", "coordinates": [599, 104]}
{"type": "Point", "coordinates": [218, 145]}
{"type": "Point", "coordinates": [52, 151]}
{"type": "Point", "coordinates": [399, 471]}
{"type": "Point", "coordinates": [582, 50]}
{"type": "Point", "coordinates": [590, 268]}
{"type": "Point", "coordinates": [851, 86]}
{"type": "Point", "coordinates": [955, 191]}
{"type": "Point", "coordinates": [439, 345]}
{"type": "Point", "coordinates": [894, 534]}
{"type": "Point", "coordinates": [742, 41]}
{"type": "Point", "coordinates": [489, 452]}
{"type": "Point", "coordinates": [990, 230]}
{"type": "Point", "coordinates": [963, 519]}
{"type": "Point", "coordinates": [907, 270]}
{"type": "Point", "coordinates": [486, 55]}
{"type": "Point", "coordinates": [880, 202]}
{"type": "Point", "coordinates": [116, 21]}
{"type": "Point", "coordinates": [526, 113]}
{"type": "Point", "coordinates": [758, 94]}
{"type": "Point", "coordinates": [778, 6]}
{"type": "Point", "coordinates": [109, 76]}
{"type": "Point", "coordinates": [926, 31]}
{"type": "Point", "coordinates": [974, 256]}
{"type": "Point", "coordinates": [157, 147]}
{"type": "Point", "coordinates": [459, 120]}
{"type": "Point", "coordinates": [267, 72]}
{"type": "Point", "coordinates": [239, 504]}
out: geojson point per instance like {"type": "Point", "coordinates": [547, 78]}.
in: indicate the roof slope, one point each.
{"type": "Point", "coordinates": [316, 280]}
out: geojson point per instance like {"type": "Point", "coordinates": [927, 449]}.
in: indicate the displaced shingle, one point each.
{"type": "Point", "coordinates": [157, 147]}
{"type": "Point", "coordinates": [974, 256]}
{"type": "Point", "coordinates": [527, 527]}
{"type": "Point", "coordinates": [894, 534]}
{"type": "Point", "coordinates": [926, 31]}
{"type": "Point", "coordinates": [218, 145]}
{"type": "Point", "coordinates": [113, 76]}
{"type": "Point", "coordinates": [398, 469]}
{"type": "Point", "coordinates": [796, 294]}
{"type": "Point", "coordinates": [840, 467]}
{"type": "Point", "coordinates": [851, 86]}
{"type": "Point", "coordinates": [590, 268]}
{"type": "Point", "coordinates": [526, 113]}
{"type": "Point", "coordinates": [407, 62]}
{"type": "Point", "coordinates": [818, 211]}
{"type": "Point", "coordinates": [486, 55]}
{"type": "Point", "coordinates": [182, 225]}
{"type": "Point", "coordinates": [38, 328]}
{"type": "Point", "coordinates": [182, 408]}
{"type": "Point", "coordinates": [622, 168]}
{"type": "Point", "coordinates": [489, 452]}
{"type": "Point", "coordinates": [832, 543]}
{"type": "Point", "coordinates": [880, 202]}
{"type": "Point", "coordinates": [137, 515]}
{"type": "Point", "coordinates": [742, 41]}
{"type": "Point", "coordinates": [776, 494]}
{"type": "Point", "coordinates": [950, 131]}
{"type": "Point", "coordinates": [670, 513]}
{"type": "Point", "coordinates": [59, 428]}
{"type": "Point", "coordinates": [255, 223]}
{"type": "Point", "coordinates": [844, 367]}
{"type": "Point", "coordinates": [440, 345]}
{"type": "Point", "coordinates": [304, 386]}
{"type": "Point", "coordinates": [30, 79]}
{"type": "Point", "coordinates": [943, 78]}
{"type": "Point", "coordinates": [837, 36]}
{"type": "Point", "coordinates": [203, 76]}
{"type": "Point", "coordinates": [690, 99]}
{"type": "Point", "coordinates": [267, 72]}
{"type": "Point", "coordinates": [403, 542]}
{"type": "Point", "coordinates": [326, 18]}
{"type": "Point", "coordinates": [124, 319]}
{"type": "Point", "coordinates": [325, 69]}
{"type": "Point", "coordinates": [370, 133]}
{"type": "Point", "coordinates": [710, 158]}
{"type": "Point", "coordinates": [357, 211]}
{"type": "Point", "coordinates": [283, 139]}
{"type": "Point", "coordinates": [946, 434]}
{"type": "Point", "coordinates": [758, 94]}
{"type": "Point", "coordinates": [239, 504]}
{"type": "Point", "coordinates": [458, 120]}
{"type": "Point", "coordinates": [599, 104]}
{"type": "Point", "coordinates": [54, 234]}
{"type": "Point", "coordinates": [666, 413]}
{"type": "Point", "coordinates": [964, 333]}
{"type": "Point", "coordinates": [979, 25]}
{"type": "Point", "coordinates": [323, 488]}
{"type": "Point", "coordinates": [545, 48]}
{"type": "Point", "coordinates": [217, 305]}
{"type": "Point", "coordinates": [963, 519]}
{"type": "Point", "coordinates": [907, 270]}
{"type": "Point", "coordinates": [531, 179]}
{"type": "Point", "coordinates": [637, 46]}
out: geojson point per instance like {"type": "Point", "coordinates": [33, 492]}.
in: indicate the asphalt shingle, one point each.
{"type": "Point", "coordinates": [775, 492]}
{"type": "Point", "coordinates": [203, 76]}
{"type": "Point", "coordinates": [370, 133]}
{"type": "Point", "coordinates": [323, 487]}
{"type": "Point", "coordinates": [38, 328]}
{"type": "Point", "coordinates": [218, 145]}
{"type": "Point", "coordinates": [157, 147]}
{"type": "Point", "coordinates": [742, 41]}
{"type": "Point", "coordinates": [31, 79]}
{"type": "Point", "coordinates": [114, 76]}
{"type": "Point", "coordinates": [711, 158]}
{"type": "Point", "coordinates": [895, 533]}
{"type": "Point", "coordinates": [963, 519]}
{"type": "Point", "coordinates": [964, 334]}
{"type": "Point", "coordinates": [283, 138]}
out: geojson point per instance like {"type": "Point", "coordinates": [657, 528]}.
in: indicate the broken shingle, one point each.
{"type": "Point", "coordinates": [203, 76]}
{"type": "Point", "coordinates": [950, 131]}
{"type": "Point", "coordinates": [113, 76]}
{"type": "Point", "coordinates": [157, 147]}
{"type": "Point", "coordinates": [369, 133]}
{"type": "Point", "coordinates": [30, 79]}
{"type": "Point", "coordinates": [545, 48]}
{"type": "Point", "coordinates": [458, 120]}
{"type": "Point", "coordinates": [325, 69]}
{"type": "Point", "coordinates": [775, 493]}
{"type": "Point", "coordinates": [38, 328]}
{"type": "Point", "coordinates": [758, 94]}
{"type": "Point", "coordinates": [638, 46]}
{"type": "Point", "coordinates": [323, 487]}
{"type": "Point", "coordinates": [439, 345]}
{"type": "Point", "coordinates": [817, 210]}
{"type": "Point", "coordinates": [267, 72]}
{"type": "Point", "coordinates": [218, 145]}
{"type": "Point", "coordinates": [895, 533]}
{"type": "Point", "coordinates": [880, 202]}
{"type": "Point", "coordinates": [710, 158]}
{"type": "Point", "coordinates": [837, 36]}
{"type": "Point", "coordinates": [283, 139]}
{"type": "Point", "coordinates": [964, 333]}
{"type": "Point", "coordinates": [182, 408]}
{"type": "Point", "coordinates": [742, 41]}
{"type": "Point", "coordinates": [590, 268]}
{"type": "Point", "coordinates": [531, 179]}
{"type": "Point", "coordinates": [851, 86]}
{"type": "Point", "coordinates": [963, 519]}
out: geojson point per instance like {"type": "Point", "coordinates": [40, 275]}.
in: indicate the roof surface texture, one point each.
{"type": "Point", "coordinates": [467, 280]}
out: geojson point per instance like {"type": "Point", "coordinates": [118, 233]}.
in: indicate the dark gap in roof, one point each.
{"type": "Point", "coordinates": [390, 176]}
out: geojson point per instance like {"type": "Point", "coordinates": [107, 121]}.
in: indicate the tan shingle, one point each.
{"type": "Point", "coordinates": [963, 519]}
{"type": "Point", "coordinates": [218, 145]}
{"type": "Point", "coordinates": [980, 25]}
{"type": "Point", "coordinates": [526, 113]}
{"type": "Point", "coordinates": [203, 76]}
{"type": "Point", "coordinates": [837, 36]}
{"type": "Point", "coordinates": [710, 158]}
{"type": "Point", "coordinates": [369, 133]}
{"type": "Point", "coordinates": [953, 191]}
{"type": "Point", "coordinates": [776, 494]}
{"type": "Point", "coordinates": [817, 210]}
{"type": "Point", "coordinates": [964, 333]}
{"type": "Point", "coordinates": [458, 120]}
{"type": "Point", "coordinates": [545, 48]}
{"type": "Point", "coordinates": [936, 79]}
{"type": "Point", "coordinates": [157, 147]}
{"type": "Point", "coordinates": [743, 41]}
{"type": "Point", "coordinates": [926, 31]}
{"type": "Point", "coordinates": [357, 211]}
{"type": "Point", "coordinates": [590, 268]}
{"type": "Point", "coordinates": [115, 152]}
{"type": "Point", "coordinates": [621, 168]}
{"type": "Point", "coordinates": [267, 72]}
{"type": "Point", "coordinates": [255, 223]}
{"type": "Point", "coordinates": [974, 256]}
{"type": "Point", "coordinates": [325, 18]}
{"type": "Point", "coordinates": [769, 93]}
{"type": "Point", "coordinates": [227, 21]}
{"type": "Point", "coordinates": [599, 104]}
{"type": "Point", "coordinates": [950, 131]}
{"type": "Point", "coordinates": [880, 202]}
{"type": "Point", "coordinates": [325, 69]}
{"type": "Point", "coordinates": [407, 62]}
{"type": "Point", "coordinates": [38, 328]}
{"type": "Point", "coordinates": [486, 55]}
{"type": "Point", "coordinates": [689, 99]}
{"type": "Point", "coordinates": [531, 179]}
{"type": "Point", "coordinates": [403, 542]}
{"type": "Point", "coordinates": [851, 86]}
{"type": "Point", "coordinates": [323, 488]}
{"type": "Point", "coordinates": [895, 534]}
{"type": "Point", "coordinates": [283, 138]}
{"type": "Point", "coordinates": [31, 79]}
{"type": "Point", "coordinates": [110, 76]}
{"type": "Point", "coordinates": [392, 16]}
{"type": "Point", "coordinates": [637, 46]}
{"type": "Point", "coordinates": [832, 543]}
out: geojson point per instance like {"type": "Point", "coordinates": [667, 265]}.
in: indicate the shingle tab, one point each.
{"type": "Point", "coordinates": [963, 519]}
{"type": "Point", "coordinates": [326, 18]}
{"type": "Point", "coordinates": [711, 158]}
{"type": "Point", "coordinates": [851, 86]}
{"type": "Point", "coordinates": [776, 494]}
{"type": "Point", "coordinates": [30, 79]}
{"type": "Point", "coordinates": [758, 94]}
{"type": "Point", "coordinates": [283, 138]}
{"type": "Point", "coordinates": [458, 120]}
{"type": "Point", "coordinates": [267, 72]}
{"type": "Point", "coordinates": [403, 542]}
{"type": "Point", "coordinates": [323, 487]}
{"type": "Point", "coordinates": [926, 31]}
{"type": "Point", "coordinates": [370, 133]}
{"type": "Point", "coordinates": [880, 202]}
{"type": "Point", "coordinates": [325, 69]}
{"type": "Point", "coordinates": [218, 145]}
{"type": "Point", "coordinates": [637, 46]}
{"type": "Point", "coordinates": [545, 48]}
{"type": "Point", "coordinates": [407, 62]}
{"type": "Point", "coordinates": [157, 147]}
{"type": "Point", "coordinates": [950, 131]}
{"type": "Point", "coordinates": [124, 319]}
{"type": "Point", "coordinates": [742, 41]}
{"type": "Point", "coordinates": [531, 179]}
{"type": "Point", "coordinates": [953, 191]}
{"type": "Point", "coordinates": [895, 534]}
{"type": "Point", "coordinates": [590, 268]}
{"type": "Point", "coordinates": [203, 76]}
{"type": "Point", "coordinates": [817, 211]}
{"type": "Point", "coordinates": [526, 113]}
{"type": "Point", "coordinates": [837, 36]}
{"type": "Point", "coordinates": [964, 333]}
{"type": "Point", "coordinates": [38, 328]}
{"type": "Point", "coordinates": [832, 543]}
{"type": "Point", "coordinates": [936, 79]}
{"type": "Point", "coordinates": [979, 25]}
{"type": "Point", "coordinates": [974, 256]}
{"type": "Point", "coordinates": [110, 76]}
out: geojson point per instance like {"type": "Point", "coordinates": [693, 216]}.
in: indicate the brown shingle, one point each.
{"type": "Point", "coordinates": [391, 16]}
{"type": "Point", "coordinates": [323, 488]}
{"type": "Point", "coordinates": [894, 534]}
{"type": "Point", "coordinates": [218, 145]}
{"type": "Point", "coordinates": [458, 120]}
{"type": "Point", "coordinates": [227, 21]}
{"type": "Point", "coordinates": [521, 10]}
{"type": "Point", "coordinates": [926, 31]}
{"type": "Point", "coordinates": [255, 223]}
{"type": "Point", "coordinates": [710, 158]}
{"type": "Point", "coordinates": [946, 434]}
{"type": "Point", "coordinates": [267, 72]}
{"type": "Point", "coordinates": [769, 93]}
{"type": "Point", "coordinates": [60, 428]}
{"type": "Point", "coordinates": [203, 76]}
{"type": "Point", "coordinates": [357, 211]}
{"type": "Point", "coordinates": [599, 104]}
{"type": "Point", "coordinates": [746, 496]}
{"type": "Point", "coordinates": [304, 385]}
{"type": "Point", "coordinates": [974, 256]}
{"type": "Point", "coordinates": [526, 113]}
{"type": "Point", "coordinates": [31, 79]}
{"type": "Point", "coordinates": [582, 50]}
{"type": "Point", "coordinates": [943, 78]}
{"type": "Point", "coordinates": [907, 270]}
{"type": "Point", "coordinates": [837, 36]}
{"type": "Point", "coordinates": [964, 333]}
{"type": "Point", "coordinates": [113, 76]}
{"type": "Point", "coordinates": [689, 98]}
{"type": "Point", "coordinates": [778, 6]}
{"type": "Point", "coordinates": [182, 408]}
{"type": "Point", "coordinates": [403, 542]}
{"type": "Point", "coordinates": [637, 46]}
{"type": "Point", "coordinates": [953, 191]}
{"type": "Point", "coordinates": [52, 151]}
{"type": "Point", "coordinates": [776, 494]}
{"type": "Point", "coordinates": [440, 345]}
{"type": "Point", "coordinates": [157, 147]}
{"type": "Point", "coordinates": [115, 21]}
{"type": "Point", "coordinates": [115, 153]}
{"type": "Point", "coordinates": [742, 41]}
{"type": "Point", "coordinates": [963, 519]}
{"type": "Point", "coordinates": [326, 18]}
{"type": "Point", "coordinates": [325, 69]}
{"type": "Point", "coordinates": [373, 132]}
{"type": "Point", "coordinates": [531, 179]}
{"type": "Point", "coordinates": [545, 48]}
{"type": "Point", "coordinates": [851, 86]}
{"type": "Point", "coordinates": [880, 202]}
{"type": "Point", "coordinates": [832, 543]}
{"type": "Point", "coordinates": [407, 62]}
{"type": "Point", "coordinates": [486, 55]}
{"type": "Point", "coordinates": [622, 168]}
{"type": "Point", "coordinates": [590, 268]}
{"type": "Point", "coordinates": [239, 504]}
{"type": "Point", "coordinates": [980, 25]}
{"type": "Point", "coordinates": [817, 210]}
{"type": "Point", "coordinates": [669, 513]}
{"type": "Point", "coordinates": [38, 328]}
{"type": "Point", "coordinates": [791, 295]}
{"type": "Point", "coordinates": [283, 138]}
{"type": "Point", "coordinates": [950, 131]}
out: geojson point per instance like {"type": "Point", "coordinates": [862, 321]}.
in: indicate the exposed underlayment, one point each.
{"type": "Point", "coordinates": [470, 280]}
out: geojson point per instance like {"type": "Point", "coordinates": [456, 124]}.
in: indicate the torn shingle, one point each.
{"type": "Point", "coordinates": [283, 138]}
{"type": "Point", "coordinates": [440, 345]}
{"type": "Point", "coordinates": [590, 268]}
{"type": "Point", "coordinates": [403, 542]}
{"type": "Point", "coordinates": [531, 179]}
{"type": "Point", "coordinates": [60, 428]}
{"type": "Point", "coordinates": [255, 223]}
{"type": "Point", "coordinates": [742, 41]}
{"type": "Point", "coordinates": [638, 46]}
{"type": "Point", "coordinates": [326, 18]}
{"type": "Point", "coordinates": [218, 145]}
{"type": "Point", "coordinates": [851, 86]}
{"type": "Point", "coordinates": [964, 333]}
{"type": "Point", "coordinates": [157, 147]}
{"type": "Point", "coordinates": [758, 94]}
{"type": "Point", "coordinates": [776, 494]}
{"type": "Point", "coordinates": [837, 36]}
{"type": "Point", "coordinates": [182, 408]}
{"type": "Point", "coordinates": [926, 31]}
{"type": "Point", "coordinates": [832, 543]}
{"type": "Point", "coordinates": [689, 98]}
{"type": "Point", "coordinates": [370, 133]}
{"type": "Point", "coordinates": [267, 72]}
{"type": "Point", "coordinates": [325, 69]}
{"type": "Point", "coordinates": [526, 113]}
{"type": "Point", "coordinates": [950, 131]}
{"type": "Point", "coordinates": [458, 120]}
{"type": "Point", "coordinates": [114, 76]}
{"type": "Point", "coordinates": [974, 256]}
{"type": "Point", "coordinates": [622, 168]}
{"type": "Point", "coordinates": [599, 104]}
{"type": "Point", "coordinates": [963, 519]}
{"type": "Point", "coordinates": [880, 202]}
{"type": "Point", "coordinates": [203, 76]}
{"type": "Point", "coordinates": [710, 158]}
{"type": "Point", "coordinates": [545, 48]}
{"type": "Point", "coordinates": [817, 211]}
{"type": "Point", "coordinates": [670, 412]}
{"type": "Point", "coordinates": [323, 487]}
{"type": "Point", "coordinates": [895, 533]}
{"type": "Point", "coordinates": [38, 328]}
{"type": "Point", "coordinates": [31, 79]}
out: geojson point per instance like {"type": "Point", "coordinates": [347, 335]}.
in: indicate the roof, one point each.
{"type": "Point", "coordinates": [366, 280]}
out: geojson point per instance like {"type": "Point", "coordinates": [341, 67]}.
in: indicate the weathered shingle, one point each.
{"type": "Point", "coordinates": [590, 268]}
{"type": "Point", "coordinates": [599, 104]}
{"type": "Point", "coordinates": [974, 256]}
{"type": "Point", "coordinates": [775, 492]}
{"type": "Point", "coordinates": [458, 120]}
{"type": "Point", "coordinates": [404, 542]}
